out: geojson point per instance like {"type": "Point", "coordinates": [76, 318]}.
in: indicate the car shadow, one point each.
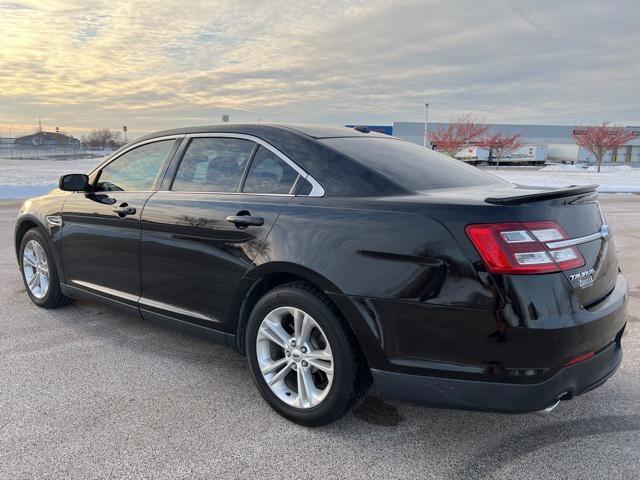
{"type": "Point", "coordinates": [143, 336]}
{"type": "Point", "coordinates": [147, 337]}
{"type": "Point", "coordinates": [375, 411]}
{"type": "Point", "coordinates": [512, 448]}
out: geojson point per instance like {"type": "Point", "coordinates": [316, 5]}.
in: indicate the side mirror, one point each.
{"type": "Point", "coordinates": [74, 182]}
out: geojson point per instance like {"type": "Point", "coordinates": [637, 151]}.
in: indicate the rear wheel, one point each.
{"type": "Point", "coordinates": [304, 361]}
{"type": "Point", "coordinates": [39, 272]}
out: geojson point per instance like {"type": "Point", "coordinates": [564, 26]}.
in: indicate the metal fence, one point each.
{"type": "Point", "coordinates": [53, 152]}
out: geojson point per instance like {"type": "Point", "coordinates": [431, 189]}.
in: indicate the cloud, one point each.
{"type": "Point", "coordinates": [13, 6]}
{"type": "Point", "coordinates": [151, 65]}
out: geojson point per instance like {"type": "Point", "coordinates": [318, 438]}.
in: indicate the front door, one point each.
{"type": "Point", "coordinates": [201, 236]}
{"type": "Point", "coordinates": [101, 229]}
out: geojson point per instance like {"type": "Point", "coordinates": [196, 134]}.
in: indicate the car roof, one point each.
{"type": "Point", "coordinates": [311, 131]}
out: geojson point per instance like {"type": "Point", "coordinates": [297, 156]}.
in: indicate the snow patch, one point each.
{"type": "Point", "coordinates": [581, 167]}
{"type": "Point", "coordinates": [30, 178]}
{"type": "Point", "coordinates": [616, 180]}
{"type": "Point", "coordinates": [611, 168]}
{"type": "Point", "coordinates": [561, 167]}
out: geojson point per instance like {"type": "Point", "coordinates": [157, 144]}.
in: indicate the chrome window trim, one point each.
{"type": "Point", "coordinates": [603, 233]}
{"type": "Point", "coordinates": [116, 155]}
{"type": "Point", "coordinates": [207, 192]}
{"type": "Point", "coordinates": [316, 189]}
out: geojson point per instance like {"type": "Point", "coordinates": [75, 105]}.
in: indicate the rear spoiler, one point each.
{"type": "Point", "coordinates": [547, 195]}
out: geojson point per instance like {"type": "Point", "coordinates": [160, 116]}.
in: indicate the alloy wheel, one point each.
{"type": "Point", "coordinates": [294, 357]}
{"type": "Point", "coordinates": [36, 269]}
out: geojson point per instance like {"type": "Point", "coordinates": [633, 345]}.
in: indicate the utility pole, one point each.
{"type": "Point", "coordinates": [426, 125]}
{"type": "Point", "coordinates": [124, 129]}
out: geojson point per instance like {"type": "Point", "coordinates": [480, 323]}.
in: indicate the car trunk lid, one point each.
{"type": "Point", "coordinates": [578, 212]}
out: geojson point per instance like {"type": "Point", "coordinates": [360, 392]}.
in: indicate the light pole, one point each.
{"type": "Point", "coordinates": [426, 125]}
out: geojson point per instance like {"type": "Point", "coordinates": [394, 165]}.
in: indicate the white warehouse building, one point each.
{"type": "Point", "coordinates": [558, 140]}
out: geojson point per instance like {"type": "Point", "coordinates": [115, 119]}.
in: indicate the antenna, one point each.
{"type": "Point", "coordinates": [39, 124]}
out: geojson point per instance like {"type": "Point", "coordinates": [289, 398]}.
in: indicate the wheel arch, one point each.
{"type": "Point", "coordinates": [27, 222]}
{"type": "Point", "coordinates": [260, 279]}
{"type": "Point", "coordinates": [357, 317]}
{"type": "Point", "coordinates": [23, 225]}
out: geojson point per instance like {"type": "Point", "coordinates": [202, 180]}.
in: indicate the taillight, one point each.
{"type": "Point", "coordinates": [519, 248]}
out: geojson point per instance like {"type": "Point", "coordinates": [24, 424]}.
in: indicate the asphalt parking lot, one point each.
{"type": "Point", "coordinates": [87, 392]}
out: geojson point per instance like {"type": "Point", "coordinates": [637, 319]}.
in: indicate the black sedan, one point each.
{"type": "Point", "coordinates": [336, 259]}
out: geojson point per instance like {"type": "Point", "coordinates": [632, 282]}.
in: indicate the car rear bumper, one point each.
{"type": "Point", "coordinates": [463, 364]}
{"type": "Point", "coordinates": [501, 397]}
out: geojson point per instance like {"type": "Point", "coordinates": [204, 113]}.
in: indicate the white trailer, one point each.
{"type": "Point", "coordinates": [525, 155]}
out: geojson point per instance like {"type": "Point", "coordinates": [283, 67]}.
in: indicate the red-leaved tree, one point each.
{"type": "Point", "coordinates": [597, 139]}
{"type": "Point", "coordinates": [501, 145]}
{"type": "Point", "coordinates": [457, 135]}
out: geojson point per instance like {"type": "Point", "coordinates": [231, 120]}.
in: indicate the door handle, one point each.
{"type": "Point", "coordinates": [243, 221]}
{"type": "Point", "coordinates": [124, 209]}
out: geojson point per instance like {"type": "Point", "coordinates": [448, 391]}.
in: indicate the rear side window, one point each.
{"type": "Point", "coordinates": [269, 174]}
{"type": "Point", "coordinates": [136, 170]}
{"type": "Point", "coordinates": [213, 165]}
{"type": "Point", "coordinates": [411, 166]}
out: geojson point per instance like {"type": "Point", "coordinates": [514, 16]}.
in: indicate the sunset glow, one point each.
{"type": "Point", "coordinates": [154, 65]}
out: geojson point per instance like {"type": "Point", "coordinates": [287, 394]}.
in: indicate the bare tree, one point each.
{"type": "Point", "coordinates": [598, 139]}
{"type": "Point", "coordinates": [102, 138]}
{"type": "Point", "coordinates": [501, 145]}
{"type": "Point", "coordinates": [459, 134]}
{"type": "Point", "coordinates": [6, 137]}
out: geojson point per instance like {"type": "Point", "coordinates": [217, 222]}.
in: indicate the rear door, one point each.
{"type": "Point", "coordinates": [201, 234]}
{"type": "Point", "coordinates": [101, 229]}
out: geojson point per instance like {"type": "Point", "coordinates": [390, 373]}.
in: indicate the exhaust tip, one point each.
{"type": "Point", "coordinates": [547, 411]}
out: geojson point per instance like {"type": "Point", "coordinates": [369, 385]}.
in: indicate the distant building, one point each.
{"type": "Point", "coordinates": [47, 139]}
{"type": "Point", "coordinates": [557, 138]}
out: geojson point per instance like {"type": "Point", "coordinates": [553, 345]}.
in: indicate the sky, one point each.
{"type": "Point", "coordinates": [155, 65]}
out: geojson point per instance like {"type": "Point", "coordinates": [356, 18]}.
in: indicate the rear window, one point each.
{"type": "Point", "coordinates": [410, 165]}
{"type": "Point", "coordinates": [269, 174]}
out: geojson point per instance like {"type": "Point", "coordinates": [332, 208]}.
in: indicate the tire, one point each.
{"type": "Point", "coordinates": [50, 296]}
{"type": "Point", "coordinates": [350, 378]}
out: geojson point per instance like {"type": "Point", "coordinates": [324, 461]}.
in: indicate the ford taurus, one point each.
{"type": "Point", "coordinates": [338, 259]}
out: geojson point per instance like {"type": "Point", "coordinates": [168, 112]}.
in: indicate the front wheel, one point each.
{"type": "Point", "coordinates": [303, 359]}
{"type": "Point", "coordinates": [39, 272]}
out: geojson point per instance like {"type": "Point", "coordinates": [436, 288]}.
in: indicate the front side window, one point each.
{"type": "Point", "coordinates": [136, 170]}
{"type": "Point", "coordinates": [213, 165]}
{"type": "Point", "coordinates": [269, 174]}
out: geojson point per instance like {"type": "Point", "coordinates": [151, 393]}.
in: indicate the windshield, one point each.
{"type": "Point", "coordinates": [411, 166]}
